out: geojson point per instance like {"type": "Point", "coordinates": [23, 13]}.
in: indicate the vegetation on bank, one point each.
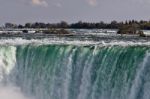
{"type": "Point", "coordinates": [144, 25]}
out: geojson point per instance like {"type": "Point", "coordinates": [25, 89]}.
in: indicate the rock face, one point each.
{"type": "Point", "coordinates": [131, 29]}
{"type": "Point", "coordinates": [141, 34]}
{"type": "Point", "coordinates": [128, 29]}
{"type": "Point", "coordinates": [25, 31]}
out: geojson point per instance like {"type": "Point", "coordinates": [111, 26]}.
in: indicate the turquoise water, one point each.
{"type": "Point", "coordinates": [77, 72]}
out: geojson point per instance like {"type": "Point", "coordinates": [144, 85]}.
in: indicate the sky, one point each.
{"type": "Point", "coordinates": [53, 11]}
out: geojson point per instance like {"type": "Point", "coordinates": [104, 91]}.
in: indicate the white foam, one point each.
{"type": "Point", "coordinates": [47, 41]}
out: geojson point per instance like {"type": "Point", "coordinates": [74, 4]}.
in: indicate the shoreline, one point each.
{"type": "Point", "coordinates": [77, 34]}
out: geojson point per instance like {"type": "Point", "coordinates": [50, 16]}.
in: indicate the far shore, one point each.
{"type": "Point", "coordinates": [61, 31]}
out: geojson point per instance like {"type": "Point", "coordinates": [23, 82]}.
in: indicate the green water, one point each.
{"type": "Point", "coordinates": [82, 72]}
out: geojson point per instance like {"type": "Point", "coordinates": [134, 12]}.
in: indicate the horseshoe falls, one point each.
{"type": "Point", "coordinates": [69, 71]}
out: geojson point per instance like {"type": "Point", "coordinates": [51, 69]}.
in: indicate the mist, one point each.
{"type": "Point", "coordinates": [11, 92]}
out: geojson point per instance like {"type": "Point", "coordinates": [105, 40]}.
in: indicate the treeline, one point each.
{"type": "Point", "coordinates": [82, 25]}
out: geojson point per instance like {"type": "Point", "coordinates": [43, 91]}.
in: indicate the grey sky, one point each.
{"type": "Point", "coordinates": [21, 11]}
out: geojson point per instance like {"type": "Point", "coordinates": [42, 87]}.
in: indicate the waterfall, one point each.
{"type": "Point", "coordinates": [75, 72]}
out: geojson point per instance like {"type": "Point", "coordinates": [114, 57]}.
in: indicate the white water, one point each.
{"type": "Point", "coordinates": [7, 63]}
{"type": "Point", "coordinates": [58, 41]}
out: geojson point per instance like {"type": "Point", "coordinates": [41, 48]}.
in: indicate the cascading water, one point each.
{"type": "Point", "coordinates": [7, 63]}
{"type": "Point", "coordinates": [74, 72]}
